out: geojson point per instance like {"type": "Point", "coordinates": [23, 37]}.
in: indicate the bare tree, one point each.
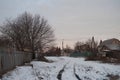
{"type": "Point", "coordinates": [29, 32]}
{"type": "Point", "coordinates": [68, 49]}
{"type": "Point", "coordinates": [92, 44]}
{"type": "Point", "coordinates": [78, 46]}
{"type": "Point", "coordinates": [5, 42]}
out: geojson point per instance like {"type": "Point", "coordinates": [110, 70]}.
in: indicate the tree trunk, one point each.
{"type": "Point", "coordinates": [42, 58]}
{"type": "Point", "coordinates": [33, 55]}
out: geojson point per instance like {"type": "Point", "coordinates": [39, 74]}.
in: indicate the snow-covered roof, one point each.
{"type": "Point", "coordinates": [112, 44]}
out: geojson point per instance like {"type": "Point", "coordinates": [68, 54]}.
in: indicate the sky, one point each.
{"type": "Point", "coordinates": [72, 20]}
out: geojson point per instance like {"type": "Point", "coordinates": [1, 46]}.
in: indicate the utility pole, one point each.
{"type": "Point", "coordinates": [62, 46]}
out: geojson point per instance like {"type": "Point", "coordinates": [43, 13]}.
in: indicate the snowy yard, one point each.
{"type": "Point", "coordinates": [64, 68]}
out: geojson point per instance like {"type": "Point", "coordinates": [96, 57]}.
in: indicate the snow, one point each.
{"type": "Point", "coordinates": [21, 73]}
{"type": "Point", "coordinates": [85, 70]}
{"type": "Point", "coordinates": [49, 71]}
{"type": "Point", "coordinates": [113, 46]}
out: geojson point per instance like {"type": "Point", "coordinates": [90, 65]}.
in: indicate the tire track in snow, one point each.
{"type": "Point", "coordinates": [76, 74]}
{"type": "Point", "coordinates": [59, 76]}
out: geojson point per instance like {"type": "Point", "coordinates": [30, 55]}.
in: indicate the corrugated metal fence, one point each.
{"type": "Point", "coordinates": [8, 60]}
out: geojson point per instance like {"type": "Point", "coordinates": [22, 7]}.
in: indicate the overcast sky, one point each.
{"type": "Point", "coordinates": [72, 20]}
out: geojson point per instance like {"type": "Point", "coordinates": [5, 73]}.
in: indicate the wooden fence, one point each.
{"type": "Point", "coordinates": [9, 60]}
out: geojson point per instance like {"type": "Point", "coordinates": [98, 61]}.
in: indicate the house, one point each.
{"type": "Point", "coordinates": [110, 48]}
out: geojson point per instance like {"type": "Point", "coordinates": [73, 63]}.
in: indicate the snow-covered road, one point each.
{"type": "Point", "coordinates": [64, 68]}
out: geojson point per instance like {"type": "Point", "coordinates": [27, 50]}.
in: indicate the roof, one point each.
{"type": "Point", "coordinates": [112, 44]}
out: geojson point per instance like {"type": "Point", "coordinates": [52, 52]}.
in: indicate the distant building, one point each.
{"type": "Point", "coordinates": [110, 47]}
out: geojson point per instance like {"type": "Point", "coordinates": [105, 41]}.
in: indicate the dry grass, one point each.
{"type": "Point", "coordinates": [42, 58]}
{"type": "Point", "coordinates": [113, 77]}
{"type": "Point", "coordinates": [103, 59]}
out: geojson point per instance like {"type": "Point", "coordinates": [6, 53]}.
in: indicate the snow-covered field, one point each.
{"type": "Point", "coordinates": [64, 68]}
